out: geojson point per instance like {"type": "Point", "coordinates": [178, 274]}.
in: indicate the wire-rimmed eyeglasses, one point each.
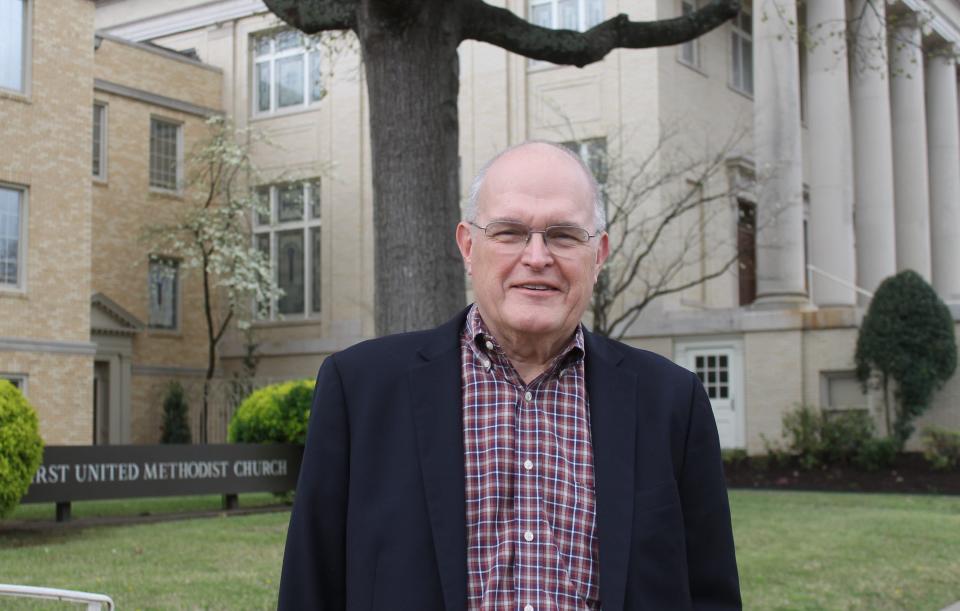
{"type": "Point", "coordinates": [560, 240]}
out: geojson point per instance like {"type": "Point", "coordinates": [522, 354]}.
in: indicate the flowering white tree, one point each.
{"type": "Point", "coordinates": [212, 235]}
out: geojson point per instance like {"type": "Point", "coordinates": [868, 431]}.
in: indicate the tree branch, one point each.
{"type": "Point", "coordinates": [312, 16]}
{"type": "Point", "coordinates": [502, 28]}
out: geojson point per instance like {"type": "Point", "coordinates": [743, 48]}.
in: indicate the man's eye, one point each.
{"type": "Point", "coordinates": [508, 233]}
{"type": "Point", "coordinates": [566, 236]}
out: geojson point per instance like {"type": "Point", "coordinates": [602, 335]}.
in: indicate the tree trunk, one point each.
{"type": "Point", "coordinates": [411, 67]}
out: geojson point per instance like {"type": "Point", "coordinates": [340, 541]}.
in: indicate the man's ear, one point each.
{"type": "Point", "coordinates": [603, 251]}
{"type": "Point", "coordinates": [465, 244]}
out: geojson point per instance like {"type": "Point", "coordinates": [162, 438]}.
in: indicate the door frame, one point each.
{"type": "Point", "coordinates": [684, 350]}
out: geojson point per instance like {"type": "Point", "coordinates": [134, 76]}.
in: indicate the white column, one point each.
{"type": "Point", "coordinates": [779, 156]}
{"type": "Point", "coordinates": [872, 147]}
{"type": "Point", "coordinates": [943, 147]}
{"type": "Point", "coordinates": [908, 118]}
{"type": "Point", "coordinates": [831, 156]}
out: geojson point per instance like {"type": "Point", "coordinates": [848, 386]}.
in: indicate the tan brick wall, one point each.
{"type": "Point", "coordinates": [123, 208]}
{"type": "Point", "coordinates": [45, 139]}
{"type": "Point", "coordinates": [159, 73]}
{"type": "Point", "coordinates": [46, 144]}
{"type": "Point", "coordinates": [59, 389]}
{"type": "Point", "coordinates": [125, 205]}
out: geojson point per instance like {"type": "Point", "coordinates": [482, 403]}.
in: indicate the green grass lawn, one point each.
{"type": "Point", "coordinates": [795, 551]}
{"type": "Point", "coordinates": [799, 550]}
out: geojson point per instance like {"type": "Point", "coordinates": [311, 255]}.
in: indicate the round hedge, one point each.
{"type": "Point", "coordinates": [21, 448]}
{"type": "Point", "coordinates": [274, 414]}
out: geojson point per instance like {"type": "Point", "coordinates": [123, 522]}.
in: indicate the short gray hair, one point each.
{"type": "Point", "coordinates": [473, 197]}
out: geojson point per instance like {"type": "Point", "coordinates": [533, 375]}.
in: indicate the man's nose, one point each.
{"type": "Point", "coordinates": [536, 253]}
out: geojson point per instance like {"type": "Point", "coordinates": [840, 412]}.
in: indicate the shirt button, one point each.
{"type": "Point", "coordinates": [485, 363]}
{"type": "Point", "coordinates": [528, 608]}
{"type": "Point", "coordinates": [528, 536]}
{"type": "Point", "coordinates": [489, 345]}
{"type": "Point", "coordinates": [528, 396]}
{"type": "Point", "coordinates": [528, 464]}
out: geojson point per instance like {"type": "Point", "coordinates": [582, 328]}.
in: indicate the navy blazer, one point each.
{"type": "Point", "coordinates": [378, 518]}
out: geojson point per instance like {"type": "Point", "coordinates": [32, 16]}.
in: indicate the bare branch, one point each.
{"type": "Point", "coordinates": [312, 16]}
{"type": "Point", "coordinates": [499, 26]}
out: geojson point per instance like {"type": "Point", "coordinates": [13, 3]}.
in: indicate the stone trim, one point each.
{"type": "Point", "coordinates": [192, 18]}
{"type": "Point", "coordinates": [154, 99]}
{"type": "Point", "coordinates": [14, 344]}
{"type": "Point", "coordinates": [131, 323]}
{"type": "Point", "coordinates": [162, 371]}
{"type": "Point", "coordinates": [155, 49]}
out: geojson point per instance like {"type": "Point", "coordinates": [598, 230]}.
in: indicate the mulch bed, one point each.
{"type": "Point", "coordinates": [910, 474]}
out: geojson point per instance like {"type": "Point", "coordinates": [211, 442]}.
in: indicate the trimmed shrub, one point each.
{"type": "Point", "coordinates": [274, 414]}
{"type": "Point", "coordinates": [175, 427]}
{"type": "Point", "coordinates": [843, 434]}
{"type": "Point", "coordinates": [908, 338]}
{"type": "Point", "coordinates": [941, 447]}
{"type": "Point", "coordinates": [816, 438]}
{"type": "Point", "coordinates": [21, 448]}
{"type": "Point", "coordinates": [876, 454]}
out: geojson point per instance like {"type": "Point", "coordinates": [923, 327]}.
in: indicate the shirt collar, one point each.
{"type": "Point", "coordinates": [484, 343]}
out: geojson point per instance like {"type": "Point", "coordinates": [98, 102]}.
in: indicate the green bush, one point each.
{"type": "Point", "coordinates": [274, 414]}
{"type": "Point", "coordinates": [907, 337]}
{"type": "Point", "coordinates": [816, 438]}
{"type": "Point", "coordinates": [843, 434]}
{"type": "Point", "coordinates": [175, 428]}
{"type": "Point", "coordinates": [941, 447]}
{"type": "Point", "coordinates": [876, 454]}
{"type": "Point", "coordinates": [733, 456]}
{"type": "Point", "coordinates": [21, 448]}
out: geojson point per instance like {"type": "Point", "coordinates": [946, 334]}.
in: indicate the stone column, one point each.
{"type": "Point", "coordinates": [831, 156]}
{"type": "Point", "coordinates": [779, 156]}
{"type": "Point", "coordinates": [909, 125]}
{"type": "Point", "coordinates": [872, 147]}
{"type": "Point", "coordinates": [943, 147]}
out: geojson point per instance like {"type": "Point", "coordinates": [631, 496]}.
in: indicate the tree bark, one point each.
{"type": "Point", "coordinates": [411, 68]}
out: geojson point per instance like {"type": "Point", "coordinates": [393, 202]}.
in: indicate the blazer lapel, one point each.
{"type": "Point", "coordinates": [612, 392]}
{"type": "Point", "coordinates": [437, 410]}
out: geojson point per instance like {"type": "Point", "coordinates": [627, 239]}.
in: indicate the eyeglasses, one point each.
{"type": "Point", "coordinates": [560, 240]}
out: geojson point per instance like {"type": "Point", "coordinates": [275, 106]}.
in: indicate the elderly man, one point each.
{"type": "Point", "coordinates": [510, 459]}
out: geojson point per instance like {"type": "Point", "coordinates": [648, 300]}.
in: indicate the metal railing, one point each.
{"type": "Point", "coordinates": [225, 396]}
{"type": "Point", "coordinates": [94, 602]}
{"type": "Point", "coordinates": [811, 269]}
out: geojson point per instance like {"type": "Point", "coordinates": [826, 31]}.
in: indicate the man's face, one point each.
{"type": "Point", "coordinates": [531, 293]}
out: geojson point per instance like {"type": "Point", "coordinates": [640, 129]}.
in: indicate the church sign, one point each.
{"type": "Point", "coordinates": [77, 473]}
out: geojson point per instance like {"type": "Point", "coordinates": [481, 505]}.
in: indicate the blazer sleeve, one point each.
{"type": "Point", "coordinates": [313, 575]}
{"type": "Point", "coordinates": [711, 559]}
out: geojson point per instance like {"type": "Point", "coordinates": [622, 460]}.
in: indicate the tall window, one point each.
{"type": "Point", "coordinates": [165, 154]}
{"type": "Point", "coordinates": [164, 293]}
{"type": "Point", "coordinates": [13, 48]}
{"type": "Point", "coordinates": [689, 51]}
{"type": "Point", "coordinates": [566, 14]}
{"type": "Point", "coordinates": [286, 71]}
{"type": "Point", "coordinates": [741, 49]}
{"type": "Point", "coordinates": [11, 237]}
{"type": "Point", "coordinates": [289, 234]}
{"type": "Point", "coordinates": [100, 141]}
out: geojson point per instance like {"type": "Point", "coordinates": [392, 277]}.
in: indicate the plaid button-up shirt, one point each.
{"type": "Point", "coordinates": [531, 508]}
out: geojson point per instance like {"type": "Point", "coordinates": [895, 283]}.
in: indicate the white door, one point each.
{"type": "Point", "coordinates": [717, 364]}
